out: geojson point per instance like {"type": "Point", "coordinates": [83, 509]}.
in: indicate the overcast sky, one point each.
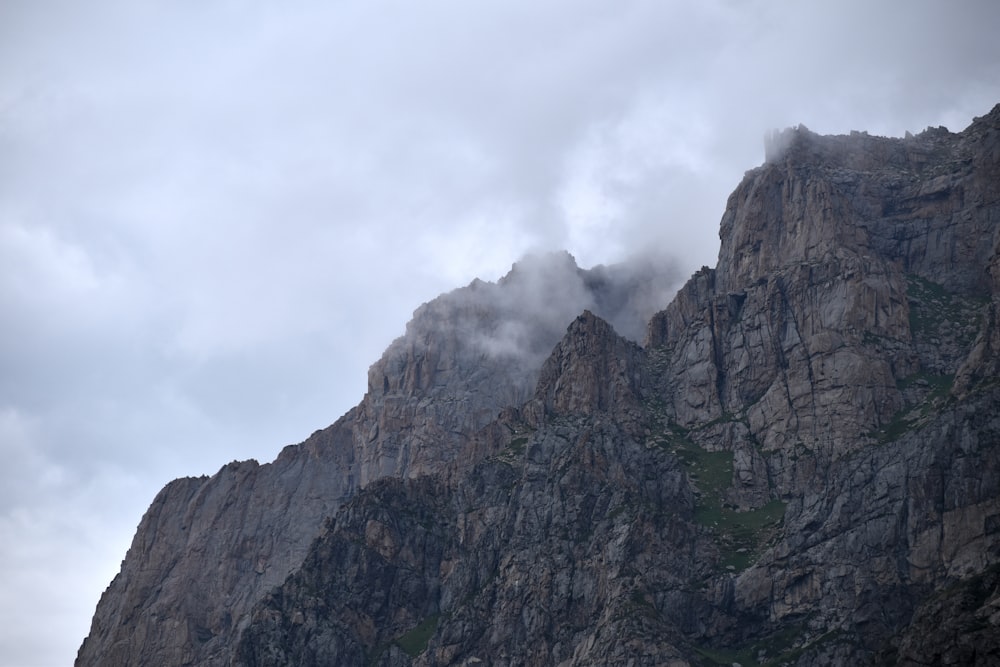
{"type": "Point", "coordinates": [215, 215]}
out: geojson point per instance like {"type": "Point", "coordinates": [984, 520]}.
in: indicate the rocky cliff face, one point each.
{"type": "Point", "coordinates": [209, 548]}
{"type": "Point", "coordinates": [800, 465]}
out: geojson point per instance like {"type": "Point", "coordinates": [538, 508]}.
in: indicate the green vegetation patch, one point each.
{"type": "Point", "coordinates": [711, 471]}
{"type": "Point", "coordinates": [639, 604]}
{"type": "Point", "coordinates": [939, 385]}
{"type": "Point", "coordinates": [780, 648]}
{"type": "Point", "coordinates": [740, 535]}
{"type": "Point", "coordinates": [932, 306]}
{"type": "Point", "coordinates": [514, 452]}
{"type": "Point", "coordinates": [415, 641]}
{"type": "Point", "coordinates": [727, 657]}
{"type": "Point", "coordinates": [910, 417]}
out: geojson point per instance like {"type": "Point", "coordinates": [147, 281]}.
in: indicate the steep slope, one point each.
{"type": "Point", "coordinates": [801, 465]}
{"type": "Point", "coordinates": [209, 548]}
{"type": "Point", "coordinates": [853, 285]}
{"type": "Point", "coordinates": [808, 448]}
{"type": "Point", "coordinates": [526, 559]}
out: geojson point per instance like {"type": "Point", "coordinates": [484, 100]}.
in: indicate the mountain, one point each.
{"type": "Point", "coordinates": [800, 464]}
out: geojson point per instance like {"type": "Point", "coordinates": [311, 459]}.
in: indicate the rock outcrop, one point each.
{"type": "Point", "coordinates": [800, 464]}
{"type": "Point", "coordinates": [209, 548]}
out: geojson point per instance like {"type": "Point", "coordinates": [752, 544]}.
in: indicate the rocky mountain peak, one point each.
{"type": "Point", "coordinates": [798, 466]}
{"type": "Point", "coordinates": [542, 269]}
{"type": "Point", "coordinates": [592, 370]}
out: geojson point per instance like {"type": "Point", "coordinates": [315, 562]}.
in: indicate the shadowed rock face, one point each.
{"type": "Point", "coordinates": [801, 464]}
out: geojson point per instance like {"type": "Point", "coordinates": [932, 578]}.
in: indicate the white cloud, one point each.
{"type": "Point", "coordinates": [63, 533]}
{"type": "Point", "coordinates": [63, 553]}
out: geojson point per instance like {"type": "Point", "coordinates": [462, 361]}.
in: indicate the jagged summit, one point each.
{"type": "Point", "coordinates": [798, 466]}
{"type": "Point", "coordinates": [911, 155]}
{"type": "Point", "coordinates": [592, 370]}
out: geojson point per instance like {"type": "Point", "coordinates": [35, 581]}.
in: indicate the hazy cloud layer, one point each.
{"type": "Point", "coordinates": [214, 215]}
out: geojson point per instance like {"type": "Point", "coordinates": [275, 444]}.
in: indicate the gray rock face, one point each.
{"type": "Point", "coordinates": [476, 350]}
{"type": "Point", "coordinates": [957, 626]}
{"type": "Point", "coordinates": [522, 562]}
{"type": "Point", "coordinates": [592, 369]}
{"type": "Point", "coordinates": [801, 464]}
{"type": "Point", "coordinates": [208, 549]}
{"type": "Point", "coordinates": [527, 559]}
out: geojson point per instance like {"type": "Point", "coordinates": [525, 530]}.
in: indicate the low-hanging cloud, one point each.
{"type": "Point", "coordinates": [532, 305]}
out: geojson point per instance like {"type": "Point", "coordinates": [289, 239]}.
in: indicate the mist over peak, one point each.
{"type": "Point", "coordinates": [551, 289]}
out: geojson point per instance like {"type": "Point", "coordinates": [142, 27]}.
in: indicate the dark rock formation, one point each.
{"type": "Point", "coordinates": [801, 465]}
{"type": "Point", "coordinates": [209, 548]}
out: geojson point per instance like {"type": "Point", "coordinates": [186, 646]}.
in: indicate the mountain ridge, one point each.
{"type": "Point", "coordinates": [661, 500]}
